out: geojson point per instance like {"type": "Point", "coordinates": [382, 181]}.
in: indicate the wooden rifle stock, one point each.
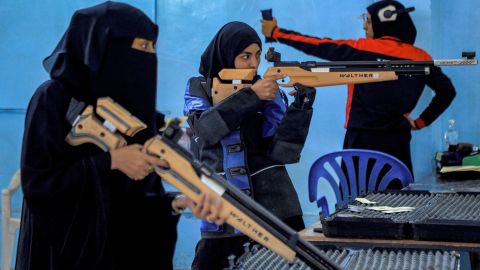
{"type": "Point", "coordinates": [87, 128]}
{"type": "Point", "coordinates": [319, 78]}
{"type": "Point", "coordinates": [122, 119]}
{"type": "Point", "coordinates": [186, 179]}
{"type": "Point", "coordinates": [192, 178]}
{"type": "Point", "coordinates": [317, 74]}
{"type": "Point", "coordinates": [326, 78]}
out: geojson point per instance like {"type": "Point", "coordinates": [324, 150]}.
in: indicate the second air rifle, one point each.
{"type": "Point", "coordinates": [318, 74]}
{"type": "Point", "coordinates": [191, 177]}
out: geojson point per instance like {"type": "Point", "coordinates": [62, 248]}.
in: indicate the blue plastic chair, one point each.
{"type": "Point", "coordinates": [351, 186]}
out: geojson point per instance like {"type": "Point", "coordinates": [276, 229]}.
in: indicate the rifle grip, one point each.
{"type": "Point", "coordinates": [267, 15]}
{"type": "Point", "coordinates": [88, 129]}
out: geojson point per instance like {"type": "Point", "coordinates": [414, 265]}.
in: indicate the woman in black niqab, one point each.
{"type": "Point", "coordinates": [94, 59]}
{"type": "Point", "coordinates": [78, 213]}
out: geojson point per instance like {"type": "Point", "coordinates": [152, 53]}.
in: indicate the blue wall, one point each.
{"type": "Point", "coordinates": [30, 29]}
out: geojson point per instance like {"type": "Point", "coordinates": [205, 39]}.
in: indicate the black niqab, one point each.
{"type": "Point", "coordinates": [402, 28]}
{"type": "Point", "coordinates": [95, 59]}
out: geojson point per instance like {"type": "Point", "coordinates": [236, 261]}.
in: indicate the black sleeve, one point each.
{"type": "Point", "coordinates": [67, 193]}
{"type": "Point", "coordinates": [288, 141]}
{"type": "Point", "coordinates": [213, 124]}
{"type": "Point", "coordinates": [325, 48]}
{"type": "Point", "coordinates": [444, 95]}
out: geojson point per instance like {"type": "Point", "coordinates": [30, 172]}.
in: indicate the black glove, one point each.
{"type": "Point", "coordinates": [304, 97]}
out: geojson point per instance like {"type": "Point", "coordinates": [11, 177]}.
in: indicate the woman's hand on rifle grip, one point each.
{"type": "Point", "coordinates": [267, 88]}
{"type": "Point", "coordinates": [133, 162]}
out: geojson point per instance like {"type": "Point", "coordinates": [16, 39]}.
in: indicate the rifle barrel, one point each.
{"type": "Point", "coordinates": [401, 71]}
{"type": "Point", "coordinates": [378, 64]}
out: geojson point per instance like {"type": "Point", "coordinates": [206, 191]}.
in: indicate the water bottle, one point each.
{"type": "Point", "coordinates": [451, 136]}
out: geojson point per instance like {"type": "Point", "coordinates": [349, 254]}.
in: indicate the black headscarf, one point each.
{"type": "Point", "coordinates": [229, 41]}
{"type": "Point", "coordinates": [402, 27]}
{"type": "Point", "coordinates": [94, 59]}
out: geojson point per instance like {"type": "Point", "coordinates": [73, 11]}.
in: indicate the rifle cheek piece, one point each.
{"type": "Point", "coordinates": [87, 128]}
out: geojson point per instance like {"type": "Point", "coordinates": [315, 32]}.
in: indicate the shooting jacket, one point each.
{"type": "Point", "coordinates": [248, 141]}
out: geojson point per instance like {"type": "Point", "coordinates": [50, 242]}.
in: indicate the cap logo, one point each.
{"type": "Point", "coordinates": [387, 14]}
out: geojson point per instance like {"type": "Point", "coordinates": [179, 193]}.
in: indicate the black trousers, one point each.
{"type": "Point", "coordinates": [395, 143]}
{"type": "Point", "coordinates": [212, 254]}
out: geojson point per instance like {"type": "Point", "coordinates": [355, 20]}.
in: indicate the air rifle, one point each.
{"type": "Point", "coordinates": [317, 74]}
{"type": "Point", "coordinates": [192, 177]}
{"type": "Point", "coordinates": [299, 76]}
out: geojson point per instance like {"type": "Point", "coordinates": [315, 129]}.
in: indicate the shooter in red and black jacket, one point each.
{"type": "Point", "coordinates": [378, 114]}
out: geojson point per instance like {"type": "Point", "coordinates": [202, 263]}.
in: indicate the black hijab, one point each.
{"type": "Point", "coordinates": [94, 59]}
{"type": "Point", "coordinates": [402, 27]}
{"type": "Point", "coordinates": [229, 41]}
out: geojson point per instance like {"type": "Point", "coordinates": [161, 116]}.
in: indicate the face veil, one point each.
{"type": "Point", "coordinates": [95, 59]}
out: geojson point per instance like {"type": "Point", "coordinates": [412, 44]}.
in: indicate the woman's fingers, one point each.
{"type": "Point", "coordinates": [197, 207]}
{"type": "Point", "coordinates": [206, 206]}
{"type": "Point", "coordinates": [217, 210]}
{"type": "Point", "coordinates": [209, 207]}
